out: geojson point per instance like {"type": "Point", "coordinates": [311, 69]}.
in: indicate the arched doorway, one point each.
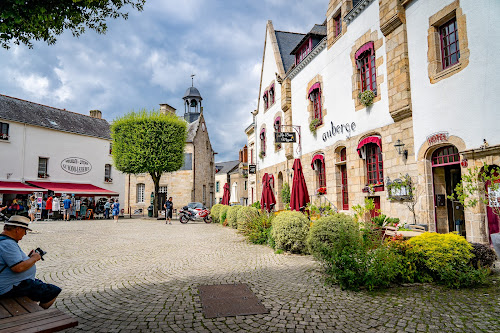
{"type": "Point", "coordinates": [493, 206]}
{"type": "Point", "coordinates": [446, 174]}
{"type": "Point", "coordinates": [281, 204]}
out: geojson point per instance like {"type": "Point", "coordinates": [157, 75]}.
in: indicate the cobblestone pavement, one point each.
{"type": "Point", "coordinates": [143, 276]}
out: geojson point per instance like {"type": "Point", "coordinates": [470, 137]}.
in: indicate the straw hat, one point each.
{"type": "Point", "coordinates": [18, 221]}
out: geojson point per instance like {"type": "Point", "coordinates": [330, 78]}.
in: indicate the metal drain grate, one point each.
{"type": "Point", "coordinates": [229, 300]}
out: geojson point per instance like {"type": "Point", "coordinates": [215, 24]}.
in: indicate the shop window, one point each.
{"type": "Point", "coordinates": [365, 60]}
{"type": "Point", "coordinates": [445, 156]}
{"type": "Point", "coordinates": [266, 100]}
{"type": "Point", "coordinates": [450, 50]}
{"type": "Point", "coordinates": [374, 164]}
{"type": "Point", "coordinates": [315, 98]}
{"type": "Point", "coordinates": [217, 187]}
{"type": "Point", "coordinates": [107, 173]}
{"type": "Point", "coordinates": [141, 188]}
{"type": "Point", "coordinates": [43, 167]}
{"type": "Point", "coordinates": [263, 142]}
{"type": "Point", "coordinates": [337, 25]}
{"type": "Point", "coordinates": [4, 131]}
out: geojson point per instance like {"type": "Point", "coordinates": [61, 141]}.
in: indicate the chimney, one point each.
{"type": "Point", "coordinates": [96, 114]}
{"type": "Point", "coordinates": [166, 109]}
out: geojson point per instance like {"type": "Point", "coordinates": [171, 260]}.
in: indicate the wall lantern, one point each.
{"type": "Point", "coordinates": [399, 145]}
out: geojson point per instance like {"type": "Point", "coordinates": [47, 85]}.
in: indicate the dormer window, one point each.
{"type": "Point", "coordinates": [303, 51]}
{"type": "Point", "coordinates": [266, 100]}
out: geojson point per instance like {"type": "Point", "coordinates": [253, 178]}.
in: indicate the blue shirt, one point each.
{"type": "Point", "coordinates": [67, 203]}
{"type": "Point", "coordinates": [11, 255]}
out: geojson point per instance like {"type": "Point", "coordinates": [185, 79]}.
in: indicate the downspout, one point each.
{"type": "Point", "coordinates": [129, 207]}
{"type": "Point", "coordinates": [24, 154]}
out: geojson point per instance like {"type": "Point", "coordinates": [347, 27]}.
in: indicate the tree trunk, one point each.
{"type": "Point", "coordinates": [156, 181]}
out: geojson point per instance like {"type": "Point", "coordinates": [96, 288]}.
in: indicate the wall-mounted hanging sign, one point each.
{"type": "Point", "coordinates": [76, 165]}
{"type": "Point", "coordinates": [437, 138]}
{"type": "Point", "coordinates": [252, 169]}
{"type": "Point", "coordinates": [285, 137]}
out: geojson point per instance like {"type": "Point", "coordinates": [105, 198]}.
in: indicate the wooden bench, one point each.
{"type": "Point", "coordinates": [21, 314]}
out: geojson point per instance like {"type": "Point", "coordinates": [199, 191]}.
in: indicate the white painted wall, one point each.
{"type": "Point", "coordinates": [27, 143]}
{"type": "Point", "coordinates": [465, 104]}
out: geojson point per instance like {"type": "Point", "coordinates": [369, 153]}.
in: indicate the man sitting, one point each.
{"type": "Point", "coordinates": [17, 270]}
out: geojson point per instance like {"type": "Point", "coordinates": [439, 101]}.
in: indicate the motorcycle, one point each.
{"type": "Point", "coordinates": [188, 214]}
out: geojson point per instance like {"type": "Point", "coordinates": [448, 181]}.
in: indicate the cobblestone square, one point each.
{"type": "Point", "coordinates": [143, 276]}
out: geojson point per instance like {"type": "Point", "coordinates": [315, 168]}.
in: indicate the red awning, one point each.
{"type": "Point", "coordinates": [317, 157]}
{"type": "Point", "coordinates": [371, 139]}
{"type": "Point", "coordinates": [18, 188]}
{"type": "Point", "coordinates": [72, 188]}
{"type": "Point", "coordinates": [317, 85]}
{"type": "Point", "coordinates": [366, 47]}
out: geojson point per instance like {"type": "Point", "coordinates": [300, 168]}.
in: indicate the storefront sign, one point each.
{"type": "Point", "coordinates": [464, 163]}
{"type": "Point", "coordinates": [252, 169]}
{"type": "Point", "coordinates": [437, 138]}
{"type": "Point", "coordinates": [76, 165]}
{"type": "Point", "coordinates": [339, 129]}
{"type": "Point", "coordinates": [285, 137]}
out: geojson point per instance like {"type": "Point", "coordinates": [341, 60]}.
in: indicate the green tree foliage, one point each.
{"type": "Point", "coordinates": [149, 142]}
{"type": "Point", "coordinates": [22, 21]}
{"type": "Point", "coordinates": [285, 193]}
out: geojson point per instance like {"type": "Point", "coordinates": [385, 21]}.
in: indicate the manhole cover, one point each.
{"type": "Point", "coordinates": [229, 300]}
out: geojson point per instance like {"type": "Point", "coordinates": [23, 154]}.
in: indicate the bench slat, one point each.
{"type": "Point", "coordinates": [4, 313]}
{"type": "Point", "coordinates": [12, 306]}
{"type": "Point", "coordinates": [28, 304]}
{"type": "Point", "coordinates": [43, 321]}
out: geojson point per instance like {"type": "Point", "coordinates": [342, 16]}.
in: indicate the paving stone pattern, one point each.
{"type": "Point", "coordinates": [142, 276]}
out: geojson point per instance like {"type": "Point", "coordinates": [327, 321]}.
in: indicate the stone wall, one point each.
{"type": "Point", "coordinates": [204, 169]}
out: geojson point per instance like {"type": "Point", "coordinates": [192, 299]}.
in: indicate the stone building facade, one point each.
{"type": "Point", "coordinates": [194, 182]}
{"type": "Point", "coordinates": [414, 61]}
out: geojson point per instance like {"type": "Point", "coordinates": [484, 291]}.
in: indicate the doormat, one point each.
{"type": "Point", "coordinates": [229, 300]}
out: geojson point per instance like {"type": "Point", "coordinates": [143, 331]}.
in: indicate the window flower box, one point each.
{"type": "Point", "coordinates": [321, 191]}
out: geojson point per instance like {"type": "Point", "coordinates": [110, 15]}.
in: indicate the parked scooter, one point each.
{"type": "Point", "coordinates": [188, 214]}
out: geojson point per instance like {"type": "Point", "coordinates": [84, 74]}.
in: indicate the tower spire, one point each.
{"type": "Point", "coordinates": [192, 79]}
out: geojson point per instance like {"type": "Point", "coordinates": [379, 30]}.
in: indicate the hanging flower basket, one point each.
{"type": "Point", "coordinates": [262, 154]}
{"type": "Point", "coordinates": [366, 97]}
{"type": "Point", "coordinates": [313, 125]}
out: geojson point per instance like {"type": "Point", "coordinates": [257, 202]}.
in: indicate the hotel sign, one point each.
{"type": "Point", "coordinates": [76, 165]}
{"type": "Point", "coordinates": [437, 138]}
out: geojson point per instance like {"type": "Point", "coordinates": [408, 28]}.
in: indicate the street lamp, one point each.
{"type": "Point", "coordinates": [399, 145]}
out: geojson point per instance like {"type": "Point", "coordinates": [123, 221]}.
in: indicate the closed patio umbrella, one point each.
{"type": "Point", "coordinates": [299, 196]}
{"type": "Point", "coordinates": [268, 200]}
{"type": "Point", "coordinates": [226, 196]}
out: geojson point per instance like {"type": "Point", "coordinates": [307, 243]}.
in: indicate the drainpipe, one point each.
{"type": "Point", "coordinates": [23, 154]}
{"type": "Point", "coordinates": [129, 208]}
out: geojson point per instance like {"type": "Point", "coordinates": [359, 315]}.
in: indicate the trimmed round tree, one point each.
{"type": "Point", "coordinates": [290, 230]}
{"type": "Point", "coordinates": [149, 142]}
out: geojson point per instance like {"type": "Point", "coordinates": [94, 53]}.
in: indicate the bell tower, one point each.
{"type": "Point", "coordinates": [192, 103]}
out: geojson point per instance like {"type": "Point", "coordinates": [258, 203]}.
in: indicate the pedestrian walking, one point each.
{"type": "Point", "coordinates": [107, 207]}
{"type": "Point", "coordinates": [169, 206]}
{"type": "Point", "coordinates": [67, 208]}
{"type": "Point", "coordinates": [115, 210]}
{"type": "Point", "coordinates": [32, 208]}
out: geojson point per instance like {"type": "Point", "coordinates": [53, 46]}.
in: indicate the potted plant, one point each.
{"type": "Point", "coordinates": [313, 125]}
{"type": "Point", "coordinates": [262, 154]}
{"type": "Point", "coordinates": [321, 190]}
{"type": "Point", "coordinates": [366, 97]}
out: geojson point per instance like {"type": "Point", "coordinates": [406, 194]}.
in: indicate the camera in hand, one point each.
{"type": "Point", "coordinates": [40, 252]}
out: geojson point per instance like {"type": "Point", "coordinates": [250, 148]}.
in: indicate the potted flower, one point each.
{"type": "Point", "coordinates": [366, 97]}
{"type": "Point", "coordinates": [313, 125]}
{"type": "Point", "coordinates": [262, 154]}
{"type": "Point", "coordinates": [321, 190]}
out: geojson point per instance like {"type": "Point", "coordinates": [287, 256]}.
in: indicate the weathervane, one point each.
{"type": "Point", "coordinates": [192, 79]}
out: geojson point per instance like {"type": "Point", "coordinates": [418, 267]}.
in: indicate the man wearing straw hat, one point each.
{"type": "Point", "coordinates": [17, 270]}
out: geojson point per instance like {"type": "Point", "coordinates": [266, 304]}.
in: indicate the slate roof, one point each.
{"type": "Point", "coordinates": [318, 30]}
{"type": "Point", "coordinates": [287, 41]}
{"type": "Point", "coordinates": [192, 129]}
{"type": "Point", "coordinates": [226, 167]}
{"type": "Point", "coordinates": [30, 113]}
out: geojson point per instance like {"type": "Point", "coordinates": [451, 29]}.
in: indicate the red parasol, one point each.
{"type": "Point", "coordinates": [226, 196]}
{"type": "Point", "coordinates": [299, 197]}
{"type": "Point", "coordinates": [267, 200]}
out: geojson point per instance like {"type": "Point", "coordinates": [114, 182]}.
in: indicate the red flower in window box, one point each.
{"type": "Point", "coordinates": [321, 190]}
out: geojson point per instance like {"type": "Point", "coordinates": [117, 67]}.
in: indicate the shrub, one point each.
{"type": "Point", "coordinates": [245, 215]}
{"type": "Point", "coordinates": [223, 215]}
{"type": "Point", "coordinates": [232, 216]}
{"type": "Point", "coordinates": [437, 251]}
{"type": "Point", "coordinates": [290, 230]}
{"type": "Point", "coordinates": [285, 193]}
{"type": "Point", "coordinates": [215, 212]}
{"type": "Point", "coordinates": [325, 232]}
{"type": "Point", "coordinates": [257, 230]}
{"type": "Point", "coordinates": [484, 256]}
{"type": "Point", "coordinates": [465, 276]}
{"type": "Point", "coordinates": [256, 204]}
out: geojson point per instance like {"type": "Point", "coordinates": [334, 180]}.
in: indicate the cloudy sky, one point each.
{"type": "Point", "coordinates": [148, 59]}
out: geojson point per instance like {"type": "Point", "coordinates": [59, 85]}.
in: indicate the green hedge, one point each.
{"type": "Point", "coordinates": [215, 212]}
{"type": "Point", "coordinates": [245, 215]}
{"type": "Point", "coordinates": [289, 231]}
{"type": "Point", "coordinates": [232, 216]}
{"type": "Point", "coordinates": [223, 214]}
{"type": "Point", "coordinates": [327, 231]}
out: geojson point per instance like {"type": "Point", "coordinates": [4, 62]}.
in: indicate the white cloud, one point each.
{"type": "Point", "coordinates": [35, 85]}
